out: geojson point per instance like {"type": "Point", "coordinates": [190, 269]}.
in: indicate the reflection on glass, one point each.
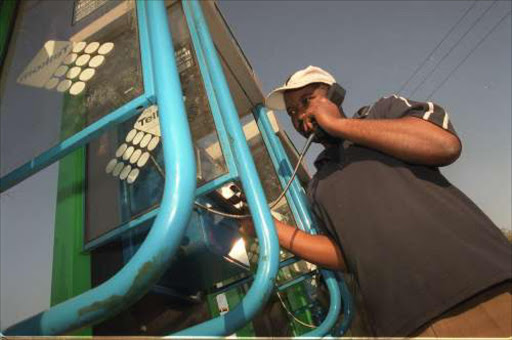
{"type": "Point", "coordinates": [265, 169]}
{"type": "Point", "coordinates": [49, 80]}
{"type": "Point", "coordinates": [209, 158]}
{"type": "Point", "coordinates": [125, 169]}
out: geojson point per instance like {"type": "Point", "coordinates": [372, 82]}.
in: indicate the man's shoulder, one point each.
{"type": "Point", "coordinates": [383, 103]}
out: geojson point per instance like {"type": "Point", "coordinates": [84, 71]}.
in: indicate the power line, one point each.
{"type": "Point", "coordinates": [474, 48]}
{"type": "Point", "coordinates": [453, 47]}
{"type": "Point", "coordinates": [435, 48]}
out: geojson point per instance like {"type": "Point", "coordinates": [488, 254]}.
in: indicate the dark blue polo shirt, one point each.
{"type": "Point", "coordinates": [415, 243]}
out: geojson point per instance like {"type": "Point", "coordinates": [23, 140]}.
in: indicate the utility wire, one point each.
{"type": "Point", "coordinates": [472, 50]}
{"type": "Point", "coordinates": [435, 48]}
{"type": "Point", "coordinates": [453, 47]}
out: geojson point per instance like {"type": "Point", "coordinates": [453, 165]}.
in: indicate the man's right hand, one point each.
{"type": "Point", "coordinates": [317, 249]}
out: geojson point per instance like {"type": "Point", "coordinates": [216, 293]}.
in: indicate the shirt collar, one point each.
{"type": "Point", "coordinates": [334, 152]}
{"type": "Point", "coordinates": [330, 154]}
{"type": "Point", "coordinates": [362, 112]}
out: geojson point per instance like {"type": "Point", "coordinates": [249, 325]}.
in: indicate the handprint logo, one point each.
{"type": "Point", "coordinates": [135, 152]}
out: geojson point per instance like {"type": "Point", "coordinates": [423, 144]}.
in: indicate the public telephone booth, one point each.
{"type": "Point", "coordinates": [152, 132]}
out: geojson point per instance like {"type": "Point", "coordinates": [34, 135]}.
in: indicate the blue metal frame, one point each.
{"type": "Point", "coordinates": [121, 230]}
{"type": "Point", "coordinates": [147, 69]}
{"type": "Point", "coordinates": [305, 217]}
{"type": "Point", "coordinates": [216, 183]}
{"type": "Point", "coordinates": [67, 146]}
{"type": "Point", "coordinates": [145, 52]}
{"type": "Point", "coordinates": [132, 224]}
{"type": "Point", "coordinates": [268, 260]}
{"type": "Point", "coordinates": [348, 310]}
{"type": "Point", "coordinates": [152, 258]}
{"type": "Point", "coordinates": [81, 138]}
{"type": "Point", "coordinates": [214, 105]}
{"type": "Point", "coordinates": [302, 277]}
{"type": "Point", "coordinates": [154, 255]}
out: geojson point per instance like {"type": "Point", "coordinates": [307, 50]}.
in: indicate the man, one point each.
{"type": "Point", "coordinates": [427, 260]}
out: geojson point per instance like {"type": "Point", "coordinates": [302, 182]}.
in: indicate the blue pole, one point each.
{"type": "Point", "coordinates": [299, 199]}
{"type": "Point", "coordinates": [348, 310]}
{"type": "Point", "coordinates": [154, 255]}
{"type": "Point", "coordinates": [145, 52]}
{"type": "Point", "coordinates": [263, 284]}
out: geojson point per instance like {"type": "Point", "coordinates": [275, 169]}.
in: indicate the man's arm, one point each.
{"type": "Point", "coordinates": [317, 249]}
{"type": "Point", "coordinates": [410, 139]}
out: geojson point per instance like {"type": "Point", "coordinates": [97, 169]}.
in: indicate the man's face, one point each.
{"type": "Point", "coordinates": [297, 102]}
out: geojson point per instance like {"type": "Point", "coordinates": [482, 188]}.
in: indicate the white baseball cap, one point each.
{"type": "Point", "coordinates": [301, 78]}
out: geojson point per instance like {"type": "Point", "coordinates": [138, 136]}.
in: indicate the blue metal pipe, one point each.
{"type": "Point", "coordinates": [121, 230]}
{"type": "Point", "coordinates": [154, 255]}
{"type": "Point", "coordinates": [298, 279]}
{"type": "Point", "coordinates": [261, 289]}
{"type": "Point", "coordinates": [145, 52]}
{"type": "Point", "coordinates": [135, 223]}
{"type": "Point", "coordinates": [222, 134]}
{"type": "Point", "coordinates": [67, 146]}
{"type": "Point", "coordinates": [216, 183]}
{"type": "Point", "coordinates": [348, 310]}
{"type": "Point", "coordinates": [281, 162]}
{"type": "Point", "coordinates": [305, 216]}
{"type": "Point", "coordinates": [334, 306]}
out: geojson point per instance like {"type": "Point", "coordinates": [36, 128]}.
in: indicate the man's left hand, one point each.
{"type": "Point", "coordinates": [323, 112]}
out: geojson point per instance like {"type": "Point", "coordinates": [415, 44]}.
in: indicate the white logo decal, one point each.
{"type": "Point", "coordinates": [64, 65]}
{"type": "Point", "coordinates": [45, 63]}
{"type": "Point", "coordinates": [136, 150]}
{"type": "Point", "coordinates": [148, 121]}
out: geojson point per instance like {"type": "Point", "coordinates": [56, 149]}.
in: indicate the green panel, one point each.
{"type": "Point", "coordinates": [233, 296]}
{"type": "Point", "coordinates": [7, 10]}
{"type": "Point", "coordinates": [297, 299]}
{"type": "Point", "coordinates": [71, 274]}
{"type": "Point", "coordinates": [71, 267]}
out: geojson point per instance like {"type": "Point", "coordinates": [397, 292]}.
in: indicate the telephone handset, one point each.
{"type": "Point", "coordinates": [335, 94]}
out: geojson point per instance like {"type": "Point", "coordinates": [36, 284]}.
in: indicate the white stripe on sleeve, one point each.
{"type": "Point", "coordinates": [405, 101]}
{"type": "Point", "coordinates": [427, 114]}
{"type": "Point", "coordinates": [445, 121]}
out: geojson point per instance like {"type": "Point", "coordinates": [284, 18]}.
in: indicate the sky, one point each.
{"type": "Point", "coordinates": [372, 48]}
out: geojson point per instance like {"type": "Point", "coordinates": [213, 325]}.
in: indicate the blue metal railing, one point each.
{"type": "Point", "coordinates": [305, 217]}
{"type": "Point", "coordinates": [154, 255]}
{"type": "Point", "coordinates": [72, 143]}
{"type": "Point", "coordinates": [264, 279]}
{"type": "Point", "coordinates": [152, 258]}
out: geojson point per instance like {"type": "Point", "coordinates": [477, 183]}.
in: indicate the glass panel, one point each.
{"type": "Point", "coordinates": [125, 167]}
{"type": "Point", "coordinates": [210, 160]}
{"type": "Point", "coordinates": [60, 77]}
{"type": "Point", "coordinates": [231, 196]}
{"type": "Point", "coordinates": [265, 168]}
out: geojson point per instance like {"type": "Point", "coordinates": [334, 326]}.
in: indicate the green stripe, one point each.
{"type": "Point", "coordinates": [7, 15]}
{"type": "Point", "coordinates": [71, 267]}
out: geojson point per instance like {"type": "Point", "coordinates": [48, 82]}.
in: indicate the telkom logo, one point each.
{"type": "Point", "coordinates": [136, 150]}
